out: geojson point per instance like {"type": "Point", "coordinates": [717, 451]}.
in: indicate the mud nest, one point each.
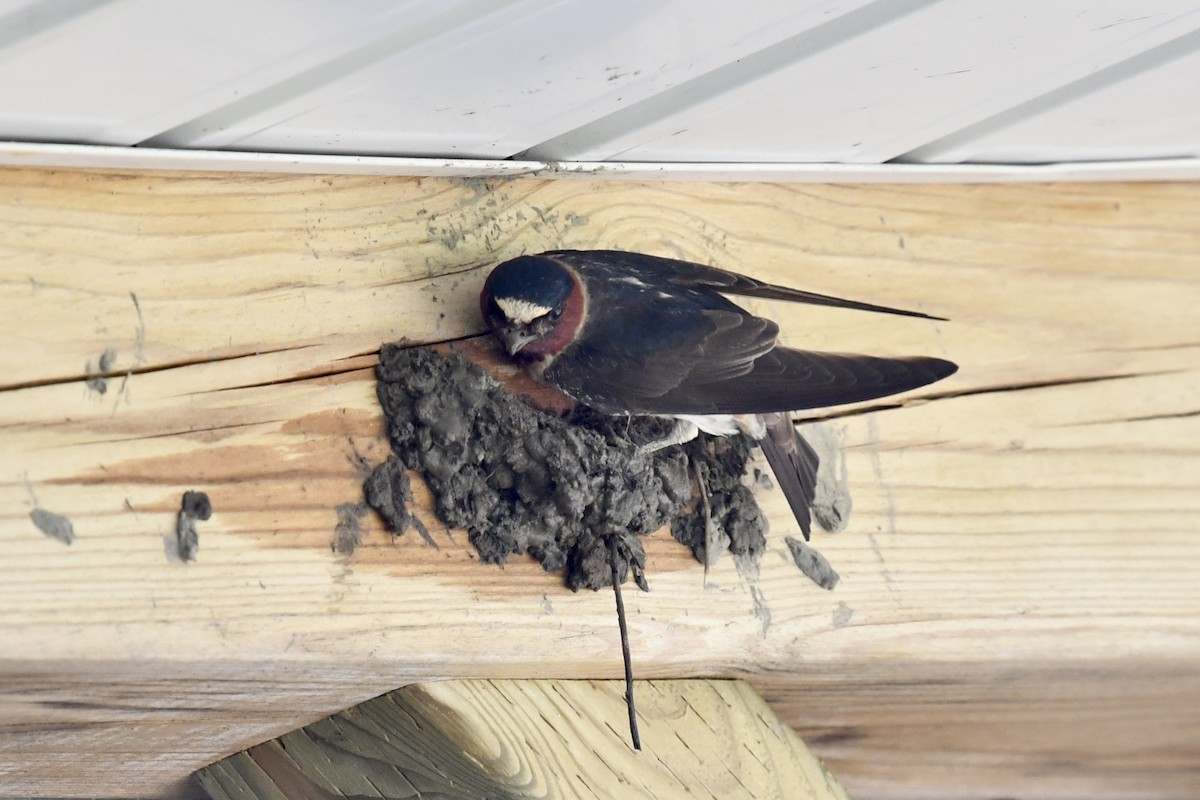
{"type": "Point", "coordinates": [522, 480]}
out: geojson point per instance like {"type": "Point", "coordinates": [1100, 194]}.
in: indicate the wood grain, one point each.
{"type": "Point", "coordinates": [531, 739]}
{"type": "Point", "coordinates": [1021, 553]}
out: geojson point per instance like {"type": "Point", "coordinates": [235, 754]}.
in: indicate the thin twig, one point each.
{"type": "Point", "coordinates": [633, 728]}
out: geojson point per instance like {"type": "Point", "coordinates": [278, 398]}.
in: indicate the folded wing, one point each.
{"type": "Point", "coordinates": [690, 274]}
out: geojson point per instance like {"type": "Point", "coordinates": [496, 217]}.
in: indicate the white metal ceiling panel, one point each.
{"type": "Point", "coordinates": [700, 81]}
{"type": "Point", "coordinates": [1152, 113]}
{"type": "Point", "coordinates": [12, 6]}
{"type": "Point", "coordinates": [120, 72]}
{"type": "Point", "coordinates": [881, 91]}
{"type": "Point", "coordinates": [500, 83]}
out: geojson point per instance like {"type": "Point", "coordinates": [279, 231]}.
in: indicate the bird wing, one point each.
{"type": "Point", "coordinates": [792, 380]}
{"type": "Point", "coordinates": [660, 338]}
{"type": "Point", "coordinates": [629, 362]}
{"type": "Point", "coordinates": [719, 361]}
{"type": "Point", "coordinates": [691, 275]}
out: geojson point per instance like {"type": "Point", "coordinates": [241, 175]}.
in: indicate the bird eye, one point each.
{"type": "Point", "coordinates": [556, 313]}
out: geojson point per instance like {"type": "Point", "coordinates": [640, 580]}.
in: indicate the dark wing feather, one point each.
{"type": "Point", "coordinates": [737, 340]}
{"type": "Point", "coordinates": [791, 380]}
{"type": "Point", "coordinates": [631, 362]}
{"type": "Point", "coordinates": [795, 464]}
{"type": "Point", "coordinates": [781, 380]}
{"type": "Point", "coordinates": [692, 275]}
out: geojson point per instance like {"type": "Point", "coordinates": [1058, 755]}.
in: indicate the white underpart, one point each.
{"type": "Point", "coordinates": [716, 424]}
{"type": "Point", "coordinates": [684, 431]}
{"type": "Point", "coordinates": [522, 312]}
{"type": "Point", "coordinates": [688, 426]}
{"type": "Point", "coordinates": [753, 425]}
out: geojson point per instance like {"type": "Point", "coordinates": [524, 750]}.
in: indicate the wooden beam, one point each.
{"type": "Point", "coordinates": [516, 739]}
{"type": "Point", "coordinates": [1027, 524]}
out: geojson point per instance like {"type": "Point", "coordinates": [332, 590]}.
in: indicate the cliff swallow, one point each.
{"type": "Point", "coordinates": [627, 333]}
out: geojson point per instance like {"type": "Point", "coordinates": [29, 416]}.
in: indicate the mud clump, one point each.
{"type": "Point", "coordinates": [348, 532]}
{"type": "Point", "coordinates": [521, 480]}
{"type": "Point", "coordinates": [388, 490]}
{"type": "Point", "coordinates": [733, 516]}
{"type": "Point", "coordinates": [56, 526]}
{"type": "Point", "coordinates": [812, 564]}
{"type": "Point", "coordinates": [194, 507]}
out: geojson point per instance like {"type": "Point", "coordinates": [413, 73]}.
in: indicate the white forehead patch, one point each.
{"type": "Point", "coordinates": [521, 312]}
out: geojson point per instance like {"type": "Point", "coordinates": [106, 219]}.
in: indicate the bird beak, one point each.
{"type": "Point", "coordinates": [515, 340]}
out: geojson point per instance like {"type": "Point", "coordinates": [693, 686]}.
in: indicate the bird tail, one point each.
{"type": "Point", "coordinates": [794, 463]}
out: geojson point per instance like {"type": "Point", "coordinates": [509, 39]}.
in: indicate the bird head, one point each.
{"type": "Point", "coordinates": [534, 305]}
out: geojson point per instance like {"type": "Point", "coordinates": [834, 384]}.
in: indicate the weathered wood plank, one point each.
{"type": "Point", "coordinates": [1029, 520]}
{"type": "Point", "coordinates": [518, 739]}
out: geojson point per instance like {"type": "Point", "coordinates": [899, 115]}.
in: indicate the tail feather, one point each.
{"type": "Point", "coordinates": [795, 464]}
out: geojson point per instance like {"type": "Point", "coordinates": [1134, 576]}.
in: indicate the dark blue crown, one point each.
{"type": "Point", "coordinates": [537, 279]}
